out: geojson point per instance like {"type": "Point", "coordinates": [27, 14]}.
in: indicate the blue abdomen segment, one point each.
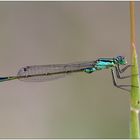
{"type": "Point", "coordinates": [90, 70]}
{"type": "Point", "coordinates": [3, 79]}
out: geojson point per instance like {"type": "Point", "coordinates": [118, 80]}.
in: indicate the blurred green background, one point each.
{"type": "Point", "coordinates": [80, 105]}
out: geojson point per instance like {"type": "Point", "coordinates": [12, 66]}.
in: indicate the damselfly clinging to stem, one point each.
{"type": "Point", "coordinates": [40, 73]}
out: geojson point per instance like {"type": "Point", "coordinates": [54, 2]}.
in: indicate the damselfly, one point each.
{"type": "Point", "coordinates": [40, 73]}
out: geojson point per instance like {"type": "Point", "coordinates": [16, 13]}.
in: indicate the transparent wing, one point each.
{"type": "Point", "coordinates": [40, 73]}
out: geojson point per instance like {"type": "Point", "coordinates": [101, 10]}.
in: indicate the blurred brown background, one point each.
{"type": "Point", "coordinates": [80, 105]}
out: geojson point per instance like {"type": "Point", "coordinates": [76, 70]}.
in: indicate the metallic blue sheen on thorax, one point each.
{"type": "Point", "coordinates": [104, 65]}
{"type": "Point", "coordinates": [100, 65]}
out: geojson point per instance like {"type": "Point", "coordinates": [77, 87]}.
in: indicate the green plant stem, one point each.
{"type": "Point", "coordinates": [135, 90]}
{"type": "Point", "coordinates": [134, 124]}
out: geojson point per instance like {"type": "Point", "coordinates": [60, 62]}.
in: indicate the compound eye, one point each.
{"type": "Point", "coordinates": [121, 60]}
{"type": "Point", "coordinates": [120, 57]}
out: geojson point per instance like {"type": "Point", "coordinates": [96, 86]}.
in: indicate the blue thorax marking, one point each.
{"type": "Point", "coordinates": [104, 65]}
{"type": "Point", "coordinates": [101, 64]}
